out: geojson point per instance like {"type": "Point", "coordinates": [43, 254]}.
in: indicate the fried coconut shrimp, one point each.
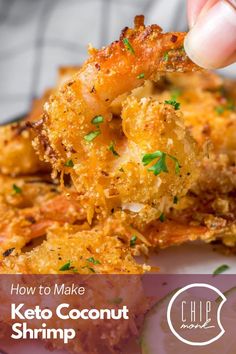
{"type": "Point", "coordinates": [29, 206]}
{"type": "Point", "coordinates": [208, 211]}
{"type": "Point", "coordinates": [70, 249]}
{"type": "Point", "coordinates": [111, 160]}
{"type": "Point", "coordinates": [208, 105]}
{"type": "Point", "coordinates": [18, 156]}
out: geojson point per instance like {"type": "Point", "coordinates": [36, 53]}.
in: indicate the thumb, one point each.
{"type": "Point", "coordinates": [211, 43]}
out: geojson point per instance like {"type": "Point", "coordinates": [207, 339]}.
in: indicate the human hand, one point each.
{"type": "Point", "coordinates": [211, 42]}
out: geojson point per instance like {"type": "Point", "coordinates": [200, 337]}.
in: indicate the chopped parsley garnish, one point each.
{"type": "Point", "coordinates": [175, 199]}
{"type": "Point", "coordinates": [162, 217]}
{"type": "Point", "coordinates": [166, 56]}
{"type": "Point", "coordinates": [89, 268]}
{"type": "Point", "coordinates": [116, 300]}
{"type": "Point", "coordinates": [66, 266]}
{"type": "Point", "coordinates": [221, 269]}
{"type": "Point", "coordinates": [133, 240]}
{"type": "Point", "coordinates": [160, 165]}
{"type": "Point", "coordinates": [97, 120]}
{"type": "Point", "coordinates": [230, 105]}
{"type": "Point", "coordinates": [92, 260]}
{"type": "Point", "coordinates": [173, 103]}
{"type": "Point", "coordinates": [141, 76]}
{"type": "Point", "coordinates": [69, 163]}
{"type": "Point", "coordinates": [220, 110]}
{"type": "Point", "coordinates": [92, 135]}
{"type": "Point", "coordinates": [177, 165]}
{"type": "Point", "coordinates": [128, 46]}
{"type": "Point", "coordinates": [112, 149]}
{"type": "Point", "coordinates": [8, 252]}
{"type": "Point", "coordinates": [16, 189]}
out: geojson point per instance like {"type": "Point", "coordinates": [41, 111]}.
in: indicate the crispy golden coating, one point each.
{"type": "Point", "coordinates": [209, 211]}
{"type": "Point", "coordinates": [65, 245]}
{"type": "Point", "coordinates": [200, 214]}
{"type": "Point", "coordinates": [150, 126]}
{"type": "Point", "coordinates": [192, 197]}
{"type": "Point", "coordinates": [17, 154]}
{"type": "Point", "coordinates": [28, 206]}
{"type": "Point", "coordinates": [96, 154]}
{"type": "Point", "coordinates": [208, 106]}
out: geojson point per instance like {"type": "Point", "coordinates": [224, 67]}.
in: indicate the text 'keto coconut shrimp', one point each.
{"type": "Point", "coordinates": [115, 161]}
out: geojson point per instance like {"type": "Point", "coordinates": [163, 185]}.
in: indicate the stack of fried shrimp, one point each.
{"type": "Point", "coordinates": [133, 151]}
{"type": "Point", "coordinates": [128, 156]}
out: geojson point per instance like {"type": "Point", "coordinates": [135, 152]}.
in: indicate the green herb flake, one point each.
{"type": "Point", "coordinates": [112, 149]}
{"type": "Point", "coordinates": [97, 120]}
{"type": "Point", "coordinates": [69, 163]}
{"type": "Point", "coordinates": [230, 105]}
{"type": "Point", "coordinates": [227, 107]}
{"type": "Point", "coordinates": [141, 76]}
{"type": "Point", "coordinates": [162, 217]}
{"type": "Point", "coordinates": [89, 268]}
{"type": "Point", "coordinates": [166, 56]}
{"type": "Point", "coordinates": [175, 199]}
{"type": "Point", "coordinates": [66, 266]}
{"type": "Point", "coordinates": [133, 240]}
{"type": "Point", "coordinates": [221, 269]}
{"type": "Point", "coordinates": [16, 189]}
{"type": "Point", "coordinates": [92, 135]}
{"type": "Point", "coordinates": [177, 165]}
{"type": "Point", "coordinates": [173, 103]}
{"type": "Point", "coordinates": [92, 260]}
{"type": "Point", "coordinates": [128, 46]}
{"type": "Point", "coordinates": [219, 110]}
{"type": "Point", "coordinates": [116, 300]}
{"type": "Point", "coordinates": [160, 165]}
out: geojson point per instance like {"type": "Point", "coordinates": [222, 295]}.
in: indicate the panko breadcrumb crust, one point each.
{"type": "Point", "coordinates": [105, 195]}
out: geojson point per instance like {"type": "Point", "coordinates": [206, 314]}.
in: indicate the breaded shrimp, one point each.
{"type": "Point", "coordinates": [17, 154]}
{"type": "Point", "coordinates": [29, 206]}
{"type": "Point", "coordinates": [208, 105]}
{"type": "Point", "coordinates": [79, 136]}
{"type": "Point", "coordinates": [67, 244]}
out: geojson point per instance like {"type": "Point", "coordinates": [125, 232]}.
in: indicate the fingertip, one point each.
{"type": "Point", "coordinates": [211, 43]}
{"type": "Point", "coordinates": [194, 8]}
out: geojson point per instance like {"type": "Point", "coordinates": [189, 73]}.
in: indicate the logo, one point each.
{"type": "Point", "coordinates": [193, 314]}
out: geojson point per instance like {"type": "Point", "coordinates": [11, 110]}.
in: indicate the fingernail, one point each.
{"type": "Point", "coordinates": [212, 40]}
